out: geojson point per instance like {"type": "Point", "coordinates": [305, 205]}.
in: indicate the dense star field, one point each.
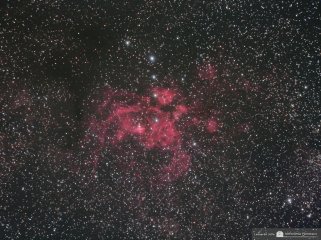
{"type": "Point", "coordinates": [178, 119]}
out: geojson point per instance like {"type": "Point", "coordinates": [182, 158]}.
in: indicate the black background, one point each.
{"type": "Point", "coordinates": [56, 55]}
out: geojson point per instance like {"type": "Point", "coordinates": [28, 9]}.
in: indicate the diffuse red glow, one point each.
{"type": "Point", "coordinates": [207, 71]}
{"type": "Point", "coordinates": [152, 122]}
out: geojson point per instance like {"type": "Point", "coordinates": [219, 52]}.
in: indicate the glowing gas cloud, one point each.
{"type": "Point", "coordinates": [133, 127]}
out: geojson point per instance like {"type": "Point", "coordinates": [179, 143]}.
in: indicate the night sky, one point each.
{"type": "Point", "coordinates": [170, 119]}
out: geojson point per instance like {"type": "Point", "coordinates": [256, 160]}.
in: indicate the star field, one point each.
{"type": "Point", "coordinates": [178, 119]}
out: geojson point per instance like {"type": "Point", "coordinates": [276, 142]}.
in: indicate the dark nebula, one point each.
{"type": "Point", "coordinates": [159, 119]}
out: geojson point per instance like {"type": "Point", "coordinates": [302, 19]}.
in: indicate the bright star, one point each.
{"type": "Point", "coordinates": [152, 58]}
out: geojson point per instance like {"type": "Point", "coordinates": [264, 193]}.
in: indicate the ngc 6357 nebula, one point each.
{"type": "Point", "coordinates": [131, 126]}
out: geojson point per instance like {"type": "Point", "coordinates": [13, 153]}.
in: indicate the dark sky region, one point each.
{"type": "Point", "coordinates": [178, 119]}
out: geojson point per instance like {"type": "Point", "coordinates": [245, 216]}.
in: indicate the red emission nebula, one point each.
{"type": "Point", "coordinates": [148, 135]}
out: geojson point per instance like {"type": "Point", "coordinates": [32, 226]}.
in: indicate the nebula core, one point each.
{"type": "Point", "coordinates": [159, 121]}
